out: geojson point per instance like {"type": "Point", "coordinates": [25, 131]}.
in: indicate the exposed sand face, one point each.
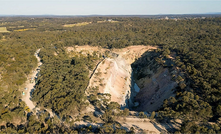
{"type": "Point", "coordinates": [115, 78]}
{"type": "Point", "coordinates": [131, 53]}
{"type": "Point", "coordinates": [113, 75]}
{"type": "Point", "coordinates": [154, 90]}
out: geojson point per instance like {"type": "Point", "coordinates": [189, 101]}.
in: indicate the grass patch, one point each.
{"type": "Point", "coordinates": [12, 27]}
{"type": "Point", "coordinates": [101, 21]}
{"type": "Point", "coordinates": [21, 30]}
{"type": "Point", "coordinates": [26, 29]}
{"type": "Point", "coordinates": [78, 24]}
{"type": "Point", "coordinates": [3, 30]}
{"type": "Point", "coordinates": [21, 26]}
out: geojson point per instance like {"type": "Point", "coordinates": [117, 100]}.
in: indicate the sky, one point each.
{"type": "Point", "coordinates": [107, 7]}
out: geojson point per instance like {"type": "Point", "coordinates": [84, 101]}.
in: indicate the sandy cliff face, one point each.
{"type": "Point", "coordinates": [154, 90]}
{"type": "Point", "coordinates": [113, 77]}
{"type": "Point", "coordinates": [142, 87]}
{"type": "Point", "coordinates": [113, 74]}
{"type": "Point", "coordinates": [154, 82]}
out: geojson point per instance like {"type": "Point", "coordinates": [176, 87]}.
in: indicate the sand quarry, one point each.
{"type": "Point", "coordinates": [113, 74]}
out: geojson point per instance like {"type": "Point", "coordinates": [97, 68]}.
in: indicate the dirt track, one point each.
{"type": "Point", "coordinates": [142, 125]}
{"type": "Point", "coordinates": [30, 86]}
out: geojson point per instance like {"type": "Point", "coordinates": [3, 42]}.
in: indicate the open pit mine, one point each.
{"type": "Point", "coordinates": [131, 76]}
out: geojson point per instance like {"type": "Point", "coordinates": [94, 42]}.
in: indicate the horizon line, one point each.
{"type": "Point", "coordinates": [215, 13]}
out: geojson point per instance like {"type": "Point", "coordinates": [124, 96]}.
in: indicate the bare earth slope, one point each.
{"type": "Point", "coordinates": [113, 75]}
{"type": "Point", "coordinates": [154, 90]}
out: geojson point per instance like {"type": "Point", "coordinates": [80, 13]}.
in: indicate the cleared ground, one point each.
{"type": "Point", "coordinates": [113, 75]}
{"type": "Point", "coordinates": [78, 24]}
{"type": "Point", "coordinates": [3, 30]}
{"type": "Point", "coordinates": [142, 125]}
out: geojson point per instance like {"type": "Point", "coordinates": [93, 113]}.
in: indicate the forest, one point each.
{"type": "Point", "coordinates": [61, 86]}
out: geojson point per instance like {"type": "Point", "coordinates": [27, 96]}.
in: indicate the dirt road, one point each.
{"type": "Point", "coordinates": [142, 125]}
{"type": "Point", "coordinates": [30, 85]}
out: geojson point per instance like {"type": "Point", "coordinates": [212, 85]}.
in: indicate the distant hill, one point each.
{"type": "Point", "coordinates": [212, 14]}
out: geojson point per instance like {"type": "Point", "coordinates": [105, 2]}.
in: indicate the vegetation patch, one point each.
{"type": "Point", "coordinates": [22, 30]}
{"type": "Point", "coordinates": [101, 21]}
